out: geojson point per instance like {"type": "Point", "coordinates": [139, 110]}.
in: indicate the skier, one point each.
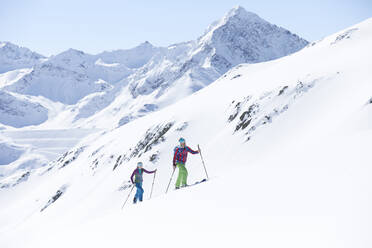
{"type": "Point", "coordinates": [138, 179]}
{"type": "Point", "coordinates": [179, 160]}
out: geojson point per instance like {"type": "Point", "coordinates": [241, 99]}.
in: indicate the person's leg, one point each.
{"type": "Point", "coordinates": [179, 178]}
{"type": "Point", "coordinates": [136, 196]}
{"type": "Point", "coordinates": [141, 192]}
{"type": "Point", "coordinates": [182, 175]}
{"type": "Point", "coordinates": [184, 178]}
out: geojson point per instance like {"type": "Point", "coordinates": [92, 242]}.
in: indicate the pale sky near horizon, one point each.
{"type": "Point", "coordinates": [50, 27]}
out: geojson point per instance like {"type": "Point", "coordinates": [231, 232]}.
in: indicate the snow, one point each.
{"type": "Point", "coordinates": [13, 57]}
{"type": "Point", "coordinates": [9, 153]}
{"type": "Point", "coordinates": [285, 141]}
{"type": "Point", "coordinates": [182, 69]}
{"type": "Point", "coordinates": [24, 150]}
{"type": "Point", "coordinates": [132, 58]}
{"type": "Point", "coordinates": [10, 77]}
{"type": "Point", "coordinates": [144, 75]}
{"type": "Point", "coordinates": [302, 179]}
{"type": "Point", "coordinates": [19, 111]}
{"type": "Point", "coordinates": [100, 62]}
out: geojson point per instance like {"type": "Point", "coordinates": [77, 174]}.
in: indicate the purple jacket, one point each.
{"type": "Point", "coordinates": [180, 154]}
{"type": "Point", "coordinates": [138, 175]}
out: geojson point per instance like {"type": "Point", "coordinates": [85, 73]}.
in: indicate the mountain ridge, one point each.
{"type": "Point", "coordinates": [149, 75]}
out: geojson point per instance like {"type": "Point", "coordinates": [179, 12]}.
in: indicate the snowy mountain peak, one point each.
{"type": "Point", "coordinates": [74, 51]}
{"type": "Point", "coordinates": [243, 37]}
{"type": "Point", "coordinates": [235, 15]}
{"type": "Point", "coordinates": [15, 57]}
{"type": "Point", "coordinates": [9, 47]}
{"type": "Point", "coordinates": [146, 44]}
{"type": "Point", "coordinates": [135, 57]}
{"type": "Point", "coordinates": [240, 12]}
{"type": "Point", "coordinates": [70, 53]}
{"type": "Point", "coordinates": [181, 69]}
{"type": "Point", "coordinates": [71, 59]}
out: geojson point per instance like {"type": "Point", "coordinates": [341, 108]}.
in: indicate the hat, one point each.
{"type": "Point", "coordinates": [139, 164]}
{"type": "Point", "coordinates": [182, 140]}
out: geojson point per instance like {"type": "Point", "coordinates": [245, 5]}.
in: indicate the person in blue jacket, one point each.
{"type": "Point", "coordinates": [137, 178]}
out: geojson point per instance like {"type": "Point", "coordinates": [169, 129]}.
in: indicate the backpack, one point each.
{"type": "Point", "coordinates": [138, 178]}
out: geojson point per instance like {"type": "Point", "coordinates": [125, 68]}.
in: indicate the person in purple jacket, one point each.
{"type": "Point", "coordinates": [137, 175]}
{"type": "Point", "coordinates": [179, 160]}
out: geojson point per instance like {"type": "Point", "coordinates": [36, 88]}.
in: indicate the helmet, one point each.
{"type": "Point", "coordinates": [182, 140]}
{"type": "Point", "coordinates": [139, 164]}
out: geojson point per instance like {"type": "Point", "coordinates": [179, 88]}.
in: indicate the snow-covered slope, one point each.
{"type": "Point", "coordinates": [286, 147]}
{"type": "Point", "coordinates": [72, 75]}
{"type": "Point", "coordinates": [19, 111]}
{"type": "Point", "coordinates": [9, 153]}
{"type": "Point", "coordinates": [68, 77]}
{"type": "Point", "coordinates": [23, 150]}
{"type": "Point", "coordinates": [14, 57]}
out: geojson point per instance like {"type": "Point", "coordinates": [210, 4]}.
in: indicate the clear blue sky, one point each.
{"type": "Point", "coordinates": [51, 26]}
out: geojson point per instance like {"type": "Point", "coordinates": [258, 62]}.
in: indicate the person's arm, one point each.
{"type": "Point", "coordinates": [175, 156]}
{"type": "Point", "coordinates": [191, 150]}
{"type": "Point", "coordinates": [131, 177]}
{"type": "Point", "coordinates": [149, 172]}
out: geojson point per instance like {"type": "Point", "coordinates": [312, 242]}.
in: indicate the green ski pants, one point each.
{"type": "Point", "coordinates": [182, 175]}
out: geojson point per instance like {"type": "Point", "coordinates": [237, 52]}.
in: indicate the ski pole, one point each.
{"type": "Point", "coordinates": [170, 179]}
{"type": "Point", "coordinates": [153, 180]}
{"type": "Point", "coordinates": [128, 197]}
{"type": "Point", "coordinates": [201, 156]}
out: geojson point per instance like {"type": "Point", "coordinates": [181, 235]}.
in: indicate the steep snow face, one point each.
{"type": "Point", "coordinates": [286, 145]}
{"type": "Point", "coordinates": [14, 57]}
{"type": "Point", "coordinates": [243, 37]}
{"type": "Point", "coordinates": [19, 111]}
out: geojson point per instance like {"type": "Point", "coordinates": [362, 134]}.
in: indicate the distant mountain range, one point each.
{"type": "Point", "coordinates": [75, 89]}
